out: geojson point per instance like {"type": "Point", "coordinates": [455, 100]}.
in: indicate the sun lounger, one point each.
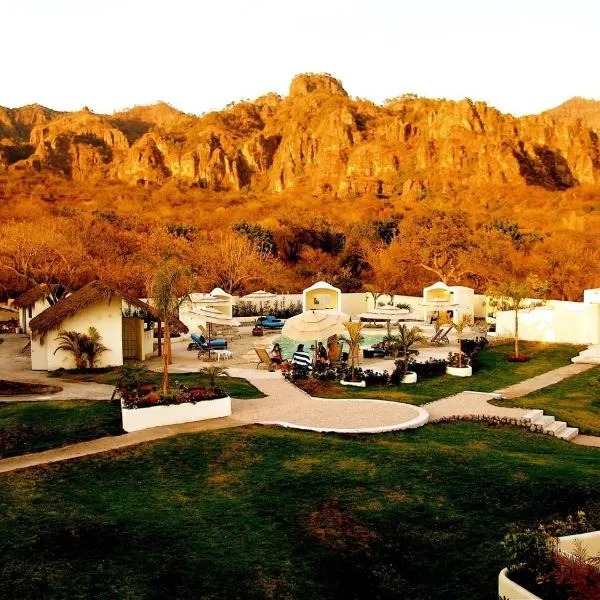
{"type": "Point", "coordinates": [441, 336]}
{"type": "Point", "coordinates": [269, 322]}
{"type": "Point", "coordinates": [264, 359]}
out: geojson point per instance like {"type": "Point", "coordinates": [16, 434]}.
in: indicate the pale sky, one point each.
{"type": "Point", "coordinates": [521, 56]}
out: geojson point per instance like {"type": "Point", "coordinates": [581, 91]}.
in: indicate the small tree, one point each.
{"type": "Point", "coordinates": [516, 295]}
{"type": "Point", "coordinates": [92, 346]}
{"type": "Point", "coordinates": [212, 373]}
{"type": "Point", "coordinates": [353, 338]}
{"type": "Point", "coordinates": [72, 342]}
{"type": "Point", "coordinates": [168, 290]}
{"type": "Point", "coordinates": [407, 338]}
{"type": "Point", "coordinates": [459, 325]}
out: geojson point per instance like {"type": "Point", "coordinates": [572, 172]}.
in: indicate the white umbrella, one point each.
{"type": "Point", "coordinates": [384, 313]}
{"type": "Point", "coordinates": [260, 295]}
{"type": "Point", "coordinates": [314, 325]}
{"type": "Point", "coordinates": [212, 316]}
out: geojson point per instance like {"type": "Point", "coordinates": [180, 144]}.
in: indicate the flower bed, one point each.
{"type": "Point", "coordinates": [144, 407]}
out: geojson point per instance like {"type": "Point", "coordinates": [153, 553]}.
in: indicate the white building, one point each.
{"type": "Point", "coordinates": [122, 321]}
{"type": "Point", "coordinates": [31, 303]}
{"type": "Point", "coordinates": [455, 301]}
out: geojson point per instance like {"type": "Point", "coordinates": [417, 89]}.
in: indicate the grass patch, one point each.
{"type": "Point", "coordinates": [236, 387]}
{"type": "Point", "coordinates": [495, 373]}
{"type": "Point", "coordinates": [35, 426]}
{"type": "Point", "coordinates": [271, 513]}
{"type": "Point", "coordinates": [575, 400]}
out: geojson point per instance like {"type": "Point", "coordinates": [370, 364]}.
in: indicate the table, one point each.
{"type": "Point", "coordinates": [223, 354]}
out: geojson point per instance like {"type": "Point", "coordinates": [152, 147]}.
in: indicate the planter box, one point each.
{"type": "Point", "coordinates": [135, 419]}
{"type": "Point", "coordinates": [354, 383]}
{"type": "Point", "coordinates": [459, 371]}
{"type": "Point", "coordinates": [410, 377]}
{"type": "Point", "coordinates": [590, 543]}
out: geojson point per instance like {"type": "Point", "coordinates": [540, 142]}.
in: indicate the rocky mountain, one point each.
{"type": "Point", "coordinates": [317, 138]}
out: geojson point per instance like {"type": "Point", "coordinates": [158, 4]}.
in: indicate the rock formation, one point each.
{"type": "Point", "coordinates": [317, 137]}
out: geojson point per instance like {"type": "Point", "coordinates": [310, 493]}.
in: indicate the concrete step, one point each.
{"type": "Point", "coordinates": [545, 421]}
{"type": "Point", "coordinates": [532, 415]}
{"type": "Point", "coordinates": [568, 434]}
{"type": "Point", "coordinates": [557, 428]}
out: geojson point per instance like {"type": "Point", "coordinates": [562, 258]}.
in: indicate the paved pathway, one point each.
{"type": "Point", "coordinates": [544, 380]}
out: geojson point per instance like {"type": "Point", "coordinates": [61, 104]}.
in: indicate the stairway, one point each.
{"type": "Point", "coordinates": [548, 424]}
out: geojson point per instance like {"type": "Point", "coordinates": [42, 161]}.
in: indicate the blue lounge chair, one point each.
{"type": "Point", "coordinates": [202, 344]}
{"type": "Point", "coordinates": [269, 322]}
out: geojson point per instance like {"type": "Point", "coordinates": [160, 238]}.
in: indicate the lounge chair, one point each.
{"type": "Point", "coordinates": [201, 342]}
{"type": "Point", "coordinates": [265, 359]}
{"type": "Point", "coordinates": [441, 336]}
{"type": "Point", "coordinates": [269, 322]}
{"type": "Point", "coordinates": [335, 353]}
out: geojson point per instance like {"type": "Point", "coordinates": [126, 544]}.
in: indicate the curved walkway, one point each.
{"type": "Point", "coordinates": [288, 406]}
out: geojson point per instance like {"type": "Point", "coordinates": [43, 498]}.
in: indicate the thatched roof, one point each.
{"type": "Point", "coordinates": [32, 295]}
{"type": "Point", "coordinates": [92, 293]}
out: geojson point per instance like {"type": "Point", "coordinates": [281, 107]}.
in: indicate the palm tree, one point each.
{"type": "Point", "coordinates": [460, 325]}
{"type": "Point", "coordinates": [167, 293]}
{"type": "Point", "coordinates": [92, 346]}
{"type": "Point", "coordinates": [353, 338]}
{"type": "Point", "coordinates": [516, 295]}
{"type": "Point", "coordinates": [212, 373]}
{"type": "Point", "coordinates": [71, 342]}
{"type": "Point", "coordinates": [407, 338]}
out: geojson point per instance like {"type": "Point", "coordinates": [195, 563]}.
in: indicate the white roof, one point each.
{"type": "Point", "coordinates": [322, 285]}
{"type": "Point", "coordinates": [219, 293]}
{"type": "Point", "coordinates": [438, 285]}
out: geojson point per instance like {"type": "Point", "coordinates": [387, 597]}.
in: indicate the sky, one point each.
{"type": "Point", "coordinates": [521, 56]}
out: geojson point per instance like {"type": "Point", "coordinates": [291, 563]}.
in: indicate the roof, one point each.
{"type": "Point", "coordinates": [439, 285]}
{"type": "Point", "coordinates": [92, 293]}
{"type": "Point", "coordinates": [321, 285]}
{"type": "Point", "coordinates": [32, 295]}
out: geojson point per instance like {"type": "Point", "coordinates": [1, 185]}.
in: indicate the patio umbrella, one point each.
{"type": "Point", "coordinates": [383, 313]}
{"type": "Point", "coordinates": [260, 295]}
{"type": "Point", "coordinates": [212, 316]}
{"type": "Point", "coordinates": [314, 325]}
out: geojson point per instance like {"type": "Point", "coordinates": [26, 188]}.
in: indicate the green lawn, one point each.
{"type": "Point", "coordinates": [575, 400]}
{"type": "Point", "coordinates": [271, 513]}
{"type": "Point", "coordinates": [236, 387]}
{"type": "Point", "coordinates": [495, 373]}
{"type": "Point", "coordinates": [35, 426]}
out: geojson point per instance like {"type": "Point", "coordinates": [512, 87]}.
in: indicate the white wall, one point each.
{"type": "Point", "coordinates": [148, 343]}
{"type": "Point", "coordinates": [36, 309]}
{"type": "Point", "coordinates": [105, 317]}
{"type": "Point", "coordinates": [561, 322]}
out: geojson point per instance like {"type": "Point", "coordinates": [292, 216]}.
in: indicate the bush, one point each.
{"type": "Point", "coordinates": [376, 378]}
{"type": "Point", "coordinates": [453, 360]}
{"type": "Point", "coordinates": [432, 367]}
{"type": "Point", "coordinates": [278, 309]}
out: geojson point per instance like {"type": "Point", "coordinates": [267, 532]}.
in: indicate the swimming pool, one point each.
{"type": "Point", "coordinates": [289, 346]}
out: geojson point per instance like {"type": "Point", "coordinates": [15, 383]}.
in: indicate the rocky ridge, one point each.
{"type": "Point", "coordinates": [316, 137]}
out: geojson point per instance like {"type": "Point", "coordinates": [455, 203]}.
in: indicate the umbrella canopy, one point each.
{"type": "Point", "coordinates": [260, 295]}
{"type": "Point", "coordinates": [383, 313]}
{"type": "Point", "coordinates": [314, 325]}
{"type": "Point", "coordinates": [216, 317]}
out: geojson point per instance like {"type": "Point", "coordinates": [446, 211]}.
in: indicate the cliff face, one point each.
{"type": "Point", "coordinates": [316, 137]}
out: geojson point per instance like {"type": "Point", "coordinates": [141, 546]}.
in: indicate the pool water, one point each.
{"type": "Point", "coordinates": [289, 346]}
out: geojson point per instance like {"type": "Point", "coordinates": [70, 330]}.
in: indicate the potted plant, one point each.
{"type": "Point", "coordinates": [353, 338]}
{"type": "Point", "coordinates": [406, 339]}
{"type": "Point", "coordinates": [458, 363]}
{"type": "Point", "coordinates": [354, 377]}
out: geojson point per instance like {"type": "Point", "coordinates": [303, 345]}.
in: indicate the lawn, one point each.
{"type": "Point", "coordinates": [236, 387]}
{"type": "Point", "coordinates": [272, 513]}
{"type": "Point", "coordinates": [494, 373]}
{"type": "Point", "coordinates": [35, 426]}
{"type": "Point", "coordinates": [575, 400]}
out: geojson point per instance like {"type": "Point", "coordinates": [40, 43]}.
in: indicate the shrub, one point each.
{"type": "Point", "coordinates": [432, 367]}
{"type": "Point", "coordinates": [455, 360]}
{"type": "Point", "coordinates": [376, 378]}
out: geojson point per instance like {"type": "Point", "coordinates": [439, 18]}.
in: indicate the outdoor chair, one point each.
{"type": "Point", "coordinates": [265, 359]}
{"type": "Point", "coordinates": [269, 322]}
{"type": "Point", "coordinates": [201, 342]}
{"type": "Point", "coordinates": [335, 353]}
{"type": "Point", "coordinates": [441, 336]}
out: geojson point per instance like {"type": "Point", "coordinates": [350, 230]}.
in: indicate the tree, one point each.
{"type": "Point", "coordinates": [516, 295]}
{"type": "Point", "coordinates": [71, 342]}
{"type": "Point", "coordinates": [231, 262]}
{"type": "Point", "coordinates": [459, 325]}
{"type": "Point", "coordinates": [353, 338]}
{"type": "Point", "coordinates": [407, 338]}
{"type": "Point", "coordinates": [92, 346]}
{"type": "Point", "coordinates": [169, 287]}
